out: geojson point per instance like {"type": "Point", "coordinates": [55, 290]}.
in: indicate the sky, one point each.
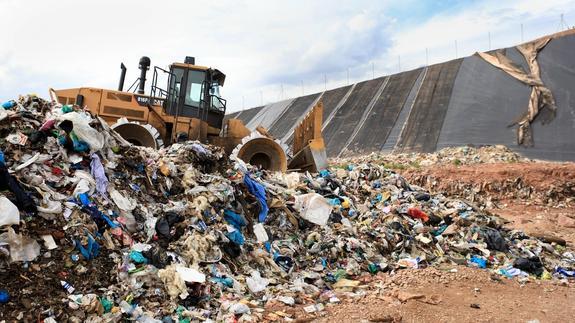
{"type": "Point", "coordinates": [269, 50]}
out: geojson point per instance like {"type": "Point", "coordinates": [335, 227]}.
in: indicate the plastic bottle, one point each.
{"type": "Point", "coordinates": [4, 296]}
{"type": "Point", "coordinates": [67, 287]}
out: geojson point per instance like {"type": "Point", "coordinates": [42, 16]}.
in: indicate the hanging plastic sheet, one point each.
{"type": "Point", "coordinates": [259, 192]}
{"type": "Point", "coordinates": [540, 98]}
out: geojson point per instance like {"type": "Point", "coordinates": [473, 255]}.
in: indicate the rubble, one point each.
{"type": "Point", "coordinates": [467, 155]}
{"type": "Point", "coordinates": [185, 233]}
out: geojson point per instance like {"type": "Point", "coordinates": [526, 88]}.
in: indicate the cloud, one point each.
{"type": "Point", "coordinates": [264, 47]}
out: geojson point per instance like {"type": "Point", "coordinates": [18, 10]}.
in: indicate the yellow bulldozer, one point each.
{"type": "Point", "coordinates": [190, 107]}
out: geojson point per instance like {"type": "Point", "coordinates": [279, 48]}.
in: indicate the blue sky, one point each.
{"type": "Point", "coordinates": [270, 50]}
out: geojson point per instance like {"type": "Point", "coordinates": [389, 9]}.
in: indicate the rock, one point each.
{"type": "Point", "coordinates": [565, 221]}
{"type": "Point", "coordinates": [405, 296]}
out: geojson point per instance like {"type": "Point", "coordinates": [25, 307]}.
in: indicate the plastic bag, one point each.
{"type": "Point", "coordinates": [9, 213]}
{"type": "Point", "coordinates": [123, 203]}
{"type": "Point", "coordinates": [256, 283]}
{"type": "Point", "coordinates": [313, 207]}
{"type": "Point", "coordinates": [191, 275]}
{"type": "Point", "coordinates": [259, 192]}
{"type": "Point", "coordinates": [21, 248]}
{"type": "Point", "coordinates": [98, 172]}
{"type": "Point", "coordinates": [84, 131]}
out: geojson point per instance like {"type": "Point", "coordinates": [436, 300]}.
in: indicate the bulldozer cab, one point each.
{"type": "Point", "coordinates": [193, 92]}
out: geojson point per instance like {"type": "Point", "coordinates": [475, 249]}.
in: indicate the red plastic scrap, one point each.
{"type": "Point", "coordinates": [417, 214]}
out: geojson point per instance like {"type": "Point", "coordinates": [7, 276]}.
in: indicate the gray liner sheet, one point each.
{"type": "Point", "coordinates": [347, 117]}
{"type": "Point", "coordinates": [423, 126]}
{"type": "Point", "coordinates": [291, 116]}
{"type": "Point", "coordinates": [376, 128]}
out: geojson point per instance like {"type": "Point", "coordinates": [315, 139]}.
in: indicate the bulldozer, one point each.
{"type": "Point", "coordinates": [190, 107]}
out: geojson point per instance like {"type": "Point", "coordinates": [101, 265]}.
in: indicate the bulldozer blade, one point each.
{"type": "Point", "coordinates": [308, 146]}
{"type": "Point", "coordinates": [312, 157]}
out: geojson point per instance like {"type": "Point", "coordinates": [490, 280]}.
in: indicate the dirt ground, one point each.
{"type": "Point", "coordinates": [469, 295]}
{"type": "Point", "coordinates": [538, 198]}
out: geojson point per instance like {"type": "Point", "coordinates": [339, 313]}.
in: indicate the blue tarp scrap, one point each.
{"type": "Point", "coordinates": [259, 192]}
{"type": "Point", "coordinates": [234, 219]}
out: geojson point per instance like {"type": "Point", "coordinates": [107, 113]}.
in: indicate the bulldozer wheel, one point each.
{"type": "Point", "coordinates": [265, 153]}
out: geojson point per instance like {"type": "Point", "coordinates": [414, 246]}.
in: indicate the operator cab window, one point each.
{"type": "Point", "coordinates": [215, 95]}
{"type": "Point", "coordinates": [194, 88]}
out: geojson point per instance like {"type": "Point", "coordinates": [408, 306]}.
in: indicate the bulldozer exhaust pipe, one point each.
{"type": "Point", "coordinates": [122, 77]}
{"type": "Point", "coordinates": [143, 66]}
{"type": "Point", "coordinates": [265, 153]}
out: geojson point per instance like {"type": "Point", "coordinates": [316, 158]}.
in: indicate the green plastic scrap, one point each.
{"type": "Point", "coordinates": [106, 304]}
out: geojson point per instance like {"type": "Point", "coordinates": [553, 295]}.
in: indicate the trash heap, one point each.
{"type": "Point", "coordinates": [184, 233]}
{"type": "Point", "coordinates": [466, 155]}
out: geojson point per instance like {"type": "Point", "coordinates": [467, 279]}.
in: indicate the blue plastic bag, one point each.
{"type": "Point", "coordinates": [91, 251]}
{"type": "Point", "coordinates": [234, 219]}
{"type": "Point", "coordinates": [565, 272]}
{"type": "Point", "coordinates": [259, 192]}
{"type": "Point", "coordinates": [236, 237]}
{"type": "Point", "coordinates": [479, 262]}
{"type": "Point", "coordinates": [137, 257]}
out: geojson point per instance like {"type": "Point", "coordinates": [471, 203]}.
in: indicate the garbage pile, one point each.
{"type": "Point", "coordinates": [112, 231]}
{"type": "Point", "coordinates": [466, 155]}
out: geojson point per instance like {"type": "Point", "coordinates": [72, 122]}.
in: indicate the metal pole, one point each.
{"type": "Point", "coordinates": [521, 32]}
{"type": "Point", "coordinates": [456, 54]}
{"type": "Point", "coordinates": [426, 57]}
{"type": "Point", "coordinates": [348, 76]}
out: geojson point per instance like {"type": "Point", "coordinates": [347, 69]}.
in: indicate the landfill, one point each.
{"type": "Point", "coordinates": [108, 232]}
{"type": "Point", "coordinates": [466, 155]}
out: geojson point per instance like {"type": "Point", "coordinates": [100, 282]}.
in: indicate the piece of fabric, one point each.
{"type": "Point", "coordinates": [259, 192]}
{"type": "Point", "coordinates": [541, 96]}
{"type": "Point", "coordinates": [98, 172]}
{"type": "Point", "coordinates": [23, 201]}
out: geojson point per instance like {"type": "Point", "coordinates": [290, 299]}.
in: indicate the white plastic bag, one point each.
{"type": "Point", "coordinates": [9, 213]}
{"type": "Point", "coordinates": [313, 207]}
{"type": "Point", "coordinates": [123, 203]}
{"type": "Point", "coordinates": [84, 131]}
{"type": "Point", "coordinates": [190, 275]}
{"type": "Point", "coordinates": [256, 283]}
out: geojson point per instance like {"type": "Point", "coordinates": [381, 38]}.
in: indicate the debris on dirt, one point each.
{"type": "Point", "coordinates": [107, 231]}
